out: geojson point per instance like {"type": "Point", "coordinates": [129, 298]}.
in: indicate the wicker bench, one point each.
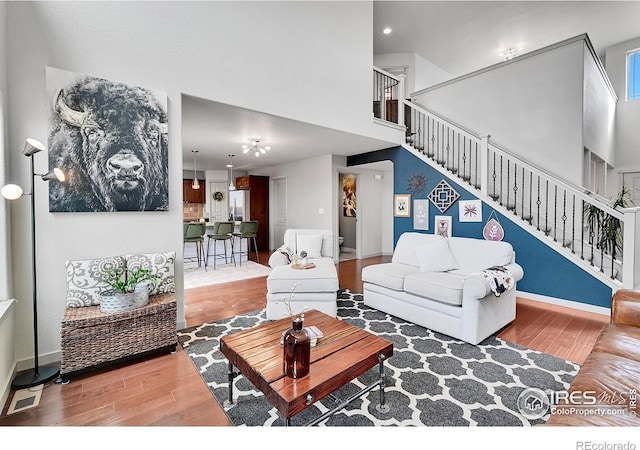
{"type": "Point", "coordinates": [91, 338]}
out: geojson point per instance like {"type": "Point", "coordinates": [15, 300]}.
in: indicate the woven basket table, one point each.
{"type": "Point", "coordinates": [91, 338]}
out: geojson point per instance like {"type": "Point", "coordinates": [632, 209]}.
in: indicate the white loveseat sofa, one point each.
{"type": "Point", "coordinates": [438, 283]}
{"type": "Point", "coordinates": [316, 288]}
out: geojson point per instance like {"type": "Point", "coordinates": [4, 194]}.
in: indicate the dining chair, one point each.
{"type": "Point", "coordinates": [248, 230]}
{"type": "Point", "coordinates": [222, 231]}
{"type": "Point", "coordinates": [194, 232]}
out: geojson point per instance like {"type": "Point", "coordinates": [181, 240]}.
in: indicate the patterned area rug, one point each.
{"type": "Point", "coordinates": [432, 379]}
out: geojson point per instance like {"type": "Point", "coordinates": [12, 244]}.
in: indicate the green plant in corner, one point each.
{"type": "Point", "coordinates": [605, 230]}
{"type": "Point", "coordinates": [130, 281]}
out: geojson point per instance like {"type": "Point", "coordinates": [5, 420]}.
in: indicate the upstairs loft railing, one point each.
{"type": "Point", "coordinates": [387, 90]}
{"type": "Point", "coordinates": [578, 223]}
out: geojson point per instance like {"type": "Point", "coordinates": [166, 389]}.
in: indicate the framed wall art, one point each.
{"type": "Point", "coordinates": [443, 226]}
{"type": "Point", "coordinates": [111, 141]}
{"type": "Point", "coordinates": [470, 211]}
{"type": "Point", "coordinates": [421, 214]}
{"type": "Point", "coordinates": [402, 205]}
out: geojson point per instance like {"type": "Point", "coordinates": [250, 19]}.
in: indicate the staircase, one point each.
{"type": "Point", "coordinates": [580, 225]}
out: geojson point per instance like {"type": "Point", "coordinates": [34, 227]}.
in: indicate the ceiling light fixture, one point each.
{"type": "Point", "coordinates": [196, 183]}
{"type": "Point", "coordinates": [232, 186]}
{"type": "Point", "coordinates": [510, 53]}
{"type": "Point", "coordinates": [255, 148]}
{"type": "Point", "coordinates": [387, 30]}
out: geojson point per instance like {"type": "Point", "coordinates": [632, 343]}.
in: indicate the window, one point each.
{"type": "Point", "coordinates": [633, 75]}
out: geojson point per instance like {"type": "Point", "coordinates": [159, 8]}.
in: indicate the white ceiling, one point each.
{"type": "Point", "coordinates": [457, 36]}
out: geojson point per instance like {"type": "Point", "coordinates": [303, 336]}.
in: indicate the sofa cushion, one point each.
{"type": "Point", "coordinates": [161, 264]}
{"type": "Point", "coordinates": [389, 275]}
{"type": "Point", "coordinates": [620, 340]}
{"type": "Point", "coordinates": [444, 287]}
{"type": "Point", "coordinates": [436, 257]}
{"type": "Point", "coordinates": [86, 279]}
{"type": "Point", "coordinates": [475, 255]}
{"type": "Point", "coordinates": [328, 242]}
{"type": "Point", "coordinates": [404, 252]}
{"type": "Point", "coordinates": [310, 243]}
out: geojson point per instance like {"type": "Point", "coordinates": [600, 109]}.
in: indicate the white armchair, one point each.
{"type": "Point", "coordinates": [316, 288]}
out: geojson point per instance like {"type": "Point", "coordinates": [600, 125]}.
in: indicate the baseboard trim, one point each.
{"type": "Point", "coordinates": [566, 303]}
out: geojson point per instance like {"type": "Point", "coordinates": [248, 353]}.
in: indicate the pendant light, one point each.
{"type": "Point", "coordinates": [196, 184]}
{"type": "Point", "coordinates": [232, 186]}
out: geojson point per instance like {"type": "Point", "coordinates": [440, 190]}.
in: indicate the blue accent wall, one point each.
{"type": "Point", "coordinates": [545, 271]}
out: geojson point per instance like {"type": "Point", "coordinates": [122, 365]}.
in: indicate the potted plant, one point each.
{"type": "Point", "coordinates": [128, 290]}
{"type": "Point", "coordinates": [605, 231]}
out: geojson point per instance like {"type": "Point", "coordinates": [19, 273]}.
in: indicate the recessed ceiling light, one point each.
{"type": "Point", "coordinates": [387, 30]}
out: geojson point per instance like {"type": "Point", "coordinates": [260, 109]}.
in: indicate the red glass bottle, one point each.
{"type": "Point", "coordinates": [297, 350]}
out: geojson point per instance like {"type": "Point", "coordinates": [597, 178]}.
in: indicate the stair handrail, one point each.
{"type": "Point", "coordinates": [582, 193]}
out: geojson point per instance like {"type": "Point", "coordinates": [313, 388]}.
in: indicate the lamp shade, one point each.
{"type": "Point", "coordinates": [32, 146]}
{"type": "Point", "coordinates": [54, 174]}
{"type": "Point", "coordinates": [11, 192]}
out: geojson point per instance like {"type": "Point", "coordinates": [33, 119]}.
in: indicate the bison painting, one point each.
{"type": "Point", "coordinates": [111, 141]}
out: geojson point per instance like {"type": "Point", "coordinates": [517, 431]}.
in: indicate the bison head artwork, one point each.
{"type": "Point", "coordinates": [111, 140]}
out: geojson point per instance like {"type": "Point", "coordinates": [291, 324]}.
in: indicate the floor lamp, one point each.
{"type": "Point", "coordinates": [38, 375]}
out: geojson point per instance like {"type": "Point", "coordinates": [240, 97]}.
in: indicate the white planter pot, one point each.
{"type": "Point", "coordinates": [114, 301]}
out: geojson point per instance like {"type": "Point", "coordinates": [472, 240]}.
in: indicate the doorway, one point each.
{"type": "Point", "coordinates": [347, 216]}
{"type": "Point", "coordinates": [279, 189]}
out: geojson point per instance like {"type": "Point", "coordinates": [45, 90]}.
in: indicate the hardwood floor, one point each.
{"type": "Point", "coordinates": [167, 390]}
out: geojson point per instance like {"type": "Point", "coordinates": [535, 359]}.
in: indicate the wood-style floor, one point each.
{"type": "Point", "coordinates": [167, 390]}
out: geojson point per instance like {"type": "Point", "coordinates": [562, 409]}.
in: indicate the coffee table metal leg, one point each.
{"type": "Point", "coordinates": [382, 406]}
{"type": "Point", "coordinates": [231, 375]}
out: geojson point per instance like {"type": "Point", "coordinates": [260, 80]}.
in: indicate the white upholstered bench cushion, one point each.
{"type": "Point", "coordinates": [322, 278]}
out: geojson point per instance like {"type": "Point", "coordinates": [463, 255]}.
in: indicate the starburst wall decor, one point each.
{"type": "Point", "coordinates": [417, 184]}
{"type": "Point", "coordinates": [443, 196]}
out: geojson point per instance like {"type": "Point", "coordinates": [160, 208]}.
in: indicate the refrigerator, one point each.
{"type": "Point", "coordinates": [239, 205]}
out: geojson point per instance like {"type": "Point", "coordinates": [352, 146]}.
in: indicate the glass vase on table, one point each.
{"type": "Point", "coordinates": [296, 349]}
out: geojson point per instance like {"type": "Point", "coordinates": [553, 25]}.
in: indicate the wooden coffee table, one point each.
{"type": "Point", "coordinates": [344, 353]}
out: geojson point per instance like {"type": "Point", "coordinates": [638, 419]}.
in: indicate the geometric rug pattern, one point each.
{"type": "Point", "coordinates": [431, 379]}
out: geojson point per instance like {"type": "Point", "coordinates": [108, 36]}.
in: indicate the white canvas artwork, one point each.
{"type": "Point", "coordinates": [470, 210]}
{"type": "Point", "coordinates": [421, 214]}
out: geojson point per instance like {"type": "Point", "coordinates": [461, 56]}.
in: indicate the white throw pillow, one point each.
{"type": "Point", "coordinates": [436, 257]}
{"type": "Point", "coordinates": [310, 243]}
{"type": "Point", "coordinates": [86, 279]}
{"type": "Point", "coordinates": [161, 264]}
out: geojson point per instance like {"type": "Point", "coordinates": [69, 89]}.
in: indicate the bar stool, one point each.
{"type": "Point", "coordinates": [248, 230]}
{"type": "Point", "coordinates": [194, 232]}
{"type": "Point", "coordinates": [221, 232]}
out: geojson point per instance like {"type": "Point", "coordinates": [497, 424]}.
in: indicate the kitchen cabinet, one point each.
{"type": "Point", "coordinates": [243, 182]}
{"type": "Point", "coordinates": [191, 195]}
{"type": "Point", "coordinates": [254, 205]}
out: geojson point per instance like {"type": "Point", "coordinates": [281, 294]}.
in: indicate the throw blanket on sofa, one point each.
{"type": "Point", "coordinates": [499, 279]}
{"type": "Point", "coordinates": [287, 252]}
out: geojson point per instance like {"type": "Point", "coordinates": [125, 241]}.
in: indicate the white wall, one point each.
{"type": "Point", "coordinates": [7, 352]}
{"type": "Point", "coordinates": [313, 57]}
{"type": "Point", "coordinates": [627, 131]}
{"type": "Point", "coordinates": [309, 190]}
{"type": "Point", "coordinates": [531, 106]}
{"type": "Point", "coordinates": [599, 112]}
{"type": "Point", "coordinates": [5, 243]}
